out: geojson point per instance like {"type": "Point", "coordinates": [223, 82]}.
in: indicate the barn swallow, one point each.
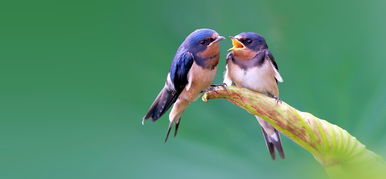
{"type": "Point", "coordinates": [251, 65]}
{"type": "Point", "coordinates": [192, 70]}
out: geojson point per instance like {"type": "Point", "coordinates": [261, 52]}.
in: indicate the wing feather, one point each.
{"type": "Point", "coordinates": [176, 81]}
{"type": "Point", "coordinates": [270, 58]}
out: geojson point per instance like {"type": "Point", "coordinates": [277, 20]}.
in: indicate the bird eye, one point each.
{"type": "Point", "coordinates": [248, 41]}
{"type": "Point", "coordinates": [206, 41]}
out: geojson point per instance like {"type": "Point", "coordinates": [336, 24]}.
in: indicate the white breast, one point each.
{"type": "Point", "coordinates": [259, 79]}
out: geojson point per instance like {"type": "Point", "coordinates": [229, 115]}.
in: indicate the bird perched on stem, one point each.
{"type": "Point", "coordinates": [251, 65]}
{"type": "Point", "coordinates": [192, 70]}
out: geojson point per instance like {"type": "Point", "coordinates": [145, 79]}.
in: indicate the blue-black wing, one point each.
{"type": "Point", "coordinates": [179, 70]}
{"type": "Point", "coordinates": [175, 84]}
{"type": "Point", "coordinates": [269, 57]}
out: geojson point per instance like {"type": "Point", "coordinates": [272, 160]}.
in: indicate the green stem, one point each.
{"type": "Point", "coordinates": [341, 154]}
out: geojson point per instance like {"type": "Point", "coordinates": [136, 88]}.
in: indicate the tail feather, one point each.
{"type": "Point", "coordinates": [165, 99]}
{"type": "Point", "coordinates": [273, 142]}
{"type": "Point", "coordinates": [176, 125]}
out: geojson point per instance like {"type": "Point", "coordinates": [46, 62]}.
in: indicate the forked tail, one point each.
{"type": "Point", "coordinates": [272, 138]}
{"type": "Point", "coordinates": [273, 142]}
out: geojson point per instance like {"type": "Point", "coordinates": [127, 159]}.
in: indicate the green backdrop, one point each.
{"type": "Point", "coordinates": [76, 78]}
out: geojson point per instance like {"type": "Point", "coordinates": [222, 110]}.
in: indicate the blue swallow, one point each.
{"type": "Point", "coordinates": [251, 65]}
{"type": "Point", "coordinates": [192, 71]}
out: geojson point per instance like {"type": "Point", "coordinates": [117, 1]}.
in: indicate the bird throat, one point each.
{"type": "Point", "coordinates": [209, 57]}
{"type": "Point", "coordinates": [246, 63]}
{"type": "Point", "coordinates": [244, 54]}
{"type": "Point", "coordinates": [209, 62]}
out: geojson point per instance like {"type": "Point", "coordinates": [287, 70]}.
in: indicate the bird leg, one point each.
{"type": "Point", "coordinates": [224, 85]}
{"type": "Point", "coordinates": [278, 100]}
{"type": "Point", "coordinates": [211, 88]}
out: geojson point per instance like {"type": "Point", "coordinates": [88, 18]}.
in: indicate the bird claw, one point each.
{"type": "Point", "coordinates": [277, 99]}
{"type": "Point", "coordinates": [222, 85]}
{"type": "Point", "coordinates": [207, 90]}
{"type": "Point", "coordinates": [211, 88]}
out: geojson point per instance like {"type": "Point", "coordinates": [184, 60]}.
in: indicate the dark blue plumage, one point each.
{"type": "Point", "coordinates": [179, 78]}
{"type": "Point", "coordinates": [200, 48]}
{"type": "Point", "coordinates": [253, 41]}
{"type": "Point", "coordinates": [179, 70]}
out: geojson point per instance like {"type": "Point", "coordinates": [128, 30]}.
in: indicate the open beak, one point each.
{"type": "Point", "coordinates": [218, 39]}
{"type": "Point", "coordinates": [237, 45]}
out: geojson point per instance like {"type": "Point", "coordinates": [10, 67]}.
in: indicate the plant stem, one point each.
{"type": "Point", "coordinates": [341, 154]}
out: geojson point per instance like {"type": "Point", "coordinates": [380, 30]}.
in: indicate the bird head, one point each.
{"type": "Point", "coordinates": [203, 41]}
{"type": "Point", "coordinates": [247, 45]}
{"type": "Point", "coordinates": [248, 40]}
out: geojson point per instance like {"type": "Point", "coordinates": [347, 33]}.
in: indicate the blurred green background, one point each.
{"type": "Point", "coordinates": [76, 78]}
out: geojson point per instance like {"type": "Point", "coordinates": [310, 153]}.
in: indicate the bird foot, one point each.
{"type": "Point", "coordinates": [224, 85]}
{"type": "Point", "coordinates": [211, 88]}
{"type": "Point", "coordinates": [278, 100]}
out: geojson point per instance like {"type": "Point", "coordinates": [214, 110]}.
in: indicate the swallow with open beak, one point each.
{"type": "Point", "coordinates": [251, 65]}
{"type": "Point", "coordinates": [192, 71]}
